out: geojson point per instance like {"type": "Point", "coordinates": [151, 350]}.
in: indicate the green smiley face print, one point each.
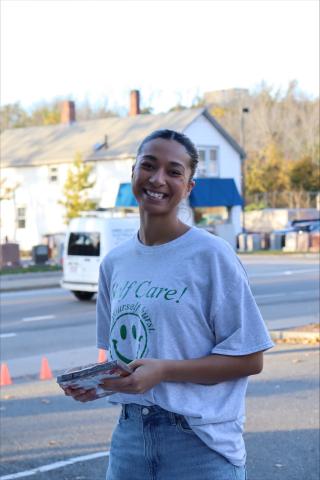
{"type": "Point", "coordinates": [128, 337]}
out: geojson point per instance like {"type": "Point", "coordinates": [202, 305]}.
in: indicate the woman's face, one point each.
{"type": "Point", "coordinates": [161, 176]}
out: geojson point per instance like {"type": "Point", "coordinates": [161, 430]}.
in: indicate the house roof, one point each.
{"type": "Point", "coordinates": [55, 144]}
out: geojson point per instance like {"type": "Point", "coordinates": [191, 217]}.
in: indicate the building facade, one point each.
{"type": "Point", "coordinates": [35, 163]}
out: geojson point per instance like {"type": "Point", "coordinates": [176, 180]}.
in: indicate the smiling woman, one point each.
{"type": "Point", "coordinates": [174, 303]}
{"type": "Point", "coordinates": [162, 174]}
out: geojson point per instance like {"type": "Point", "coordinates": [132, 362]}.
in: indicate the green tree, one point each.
{"type": "Point", "coordinates": [254, 177]}
{"type": "Point", "coordinates": [13, 116]}
{"type": "Point", "coordinates": [146, 111]}
{"type": "Point", "coordinates": [267, 172]}
{"type": "Point", "coordinates": [7, 192]}
{"type": "Point", "coordinates": [76, 189]}
{"type": "Point", "coordinates": [304, 175]}
{"type": "Point", "coordinates": [178, 108]}
{"type": "Point", "coordinates": [46, 114]}
{"type": "Point", "coordinates": [217, 112]}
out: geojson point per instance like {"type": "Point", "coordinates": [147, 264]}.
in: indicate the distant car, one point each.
{"type": "Point", "coordinates": [297, 226]}
{"type": "Point", "coordinates": [306, 225]}
{"type": "Point", "coordinates": [301, 226]}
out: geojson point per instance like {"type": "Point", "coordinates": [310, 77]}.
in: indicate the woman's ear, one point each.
{"type": "Point", "coordinates": [190, 187]}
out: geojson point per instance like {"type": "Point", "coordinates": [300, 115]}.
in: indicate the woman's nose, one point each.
{"type": "Point", "coordinates": [157, 178]}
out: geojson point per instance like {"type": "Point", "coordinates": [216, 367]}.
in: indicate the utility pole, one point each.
{"type": "Point", "coordinates": [244, 111]}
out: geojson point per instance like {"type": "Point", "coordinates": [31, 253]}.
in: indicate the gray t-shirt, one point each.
{"type": "Point", "coordinates": [181, 300]}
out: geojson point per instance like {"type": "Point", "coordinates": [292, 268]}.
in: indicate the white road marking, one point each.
{"type": "Point", "coordinates": [36, 319]}
{"type": "Point", "coordinates": [267, 295]}
{"type": "Point", "coordinates": [280, 274]}
{"type": "Point", "coordinates": [54, 466]}
{"type": "Point", "coordinates": [7, 335]}
{"type": "Point", "coordinates": [284, 294]}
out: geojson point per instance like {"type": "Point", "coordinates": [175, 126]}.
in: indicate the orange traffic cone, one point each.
{"type": "Point", "coordinates": [5, 378]}
{"type": "Point", "coordinates": [102, 357]}
{"type": "Point", "coordinates": [45, 372]}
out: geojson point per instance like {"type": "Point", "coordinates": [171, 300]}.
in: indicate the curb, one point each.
{"type": "Point", "coordinates": [29, 287]}
{"type": "Point", "coordinates": [29, 281]}
{"type": "Point", "coordinates": [296, 336]}
{"type": "Point", "coordinates": [27, 369]}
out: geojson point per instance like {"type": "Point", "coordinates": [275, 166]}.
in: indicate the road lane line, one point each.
{"type": "Point", "coordinates": [7, 335]}
{"type": "Point", "coordinates": [280, 274]}
{"type": "Point", "coordinates": [36, 319]}
{"type": "Point", "coordinates": [289, 295]}
{"type": "Point", "coordinates": [54, 466]}
{"type": "Point", "coordinates": [267, 295]}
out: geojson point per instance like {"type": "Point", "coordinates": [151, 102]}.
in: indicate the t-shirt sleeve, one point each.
{"type": "Point", "coordinates": [103, 308]}
{"type": "Point", "coordinates": [239, 328]}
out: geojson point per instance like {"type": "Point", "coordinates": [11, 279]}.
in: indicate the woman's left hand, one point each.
{"type": "Point", "coordinates": [147, 372]}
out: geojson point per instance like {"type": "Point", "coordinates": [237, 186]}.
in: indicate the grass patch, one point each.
{"type": "Point", "coordinates": [30, 269]}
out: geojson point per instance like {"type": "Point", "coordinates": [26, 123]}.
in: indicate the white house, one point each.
{"type": "Point", "coordinates": [35, 160]}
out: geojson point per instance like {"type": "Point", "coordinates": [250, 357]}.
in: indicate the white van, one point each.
{"type": "Point", "coordinates": [87, 241]}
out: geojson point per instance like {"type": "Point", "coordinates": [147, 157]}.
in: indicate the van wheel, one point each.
{"type": "Point", "coordinates": [83, 295]}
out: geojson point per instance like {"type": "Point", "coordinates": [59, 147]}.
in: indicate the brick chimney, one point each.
{"type": "Point", "coordinates": [68, 112]}
{"type": "Point", "coordinates": [134, 103]}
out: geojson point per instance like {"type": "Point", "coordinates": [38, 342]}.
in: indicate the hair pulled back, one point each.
{"type": "Point", "coordinates": [167, 134]}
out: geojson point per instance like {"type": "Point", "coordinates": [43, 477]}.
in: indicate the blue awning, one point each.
{"type": "Point", "coordinates": [207, 192]}
{"type": "Point", "coordinates": [215, 192]}
{"type": "Point", "coordinates": [125, 197]}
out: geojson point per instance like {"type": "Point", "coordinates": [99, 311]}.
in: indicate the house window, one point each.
{"type": "Point", "coordinates": [53, 174]}
{"type": "Point", "coordinates": [202, 169]}
{"type": "Point", "coordinates": [208, 162]}
{"type": "Point", "coordinates": [21, 217]}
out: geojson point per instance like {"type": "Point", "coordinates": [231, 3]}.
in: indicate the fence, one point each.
{"type": "Point", "coordinates": [292, 199]}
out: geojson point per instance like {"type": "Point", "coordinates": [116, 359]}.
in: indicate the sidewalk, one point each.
{"type": "Point", "coordinates": [26, 368]}
{"type": "Point", "coordinates": [29, 281]}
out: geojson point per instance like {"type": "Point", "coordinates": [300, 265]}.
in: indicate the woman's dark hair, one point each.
{"type": "Point", "coordinates": [178, 137]}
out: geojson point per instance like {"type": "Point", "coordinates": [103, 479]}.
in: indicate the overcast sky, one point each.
{"type": "Point", "coordinates": [170, 50]}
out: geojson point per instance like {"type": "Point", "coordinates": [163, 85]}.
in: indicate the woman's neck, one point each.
{"type": "Point", "coordinates": [157, 230]}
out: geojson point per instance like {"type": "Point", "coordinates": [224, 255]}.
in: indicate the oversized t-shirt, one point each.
{"type": "Point", "coordinates": [184, 299]}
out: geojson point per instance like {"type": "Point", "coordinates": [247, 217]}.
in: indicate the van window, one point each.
{"type": "Point", "coordinates": [84, 243]}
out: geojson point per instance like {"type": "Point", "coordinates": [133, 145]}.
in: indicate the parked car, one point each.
{"type": "Point", "coordinates": [301, 226]}
{"type": "Point", "coordinates": [306, 225]}
{"type": "Point", "coordinates": [296, 226]}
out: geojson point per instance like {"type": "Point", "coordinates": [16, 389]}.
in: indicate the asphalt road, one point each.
{"type": "Point", "coordinates": [40, 428]}
{"type": "Point", "coordinates": [41, 322]}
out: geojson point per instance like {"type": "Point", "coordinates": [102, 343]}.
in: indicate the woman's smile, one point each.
{"type": "Point", "coordinates": [154, 195]}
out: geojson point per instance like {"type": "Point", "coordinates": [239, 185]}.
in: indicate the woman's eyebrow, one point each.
{"type": "Point", "coordinates": [154, 159]}
{"type": "Point", "coordinates": [150, 157]}
{"type": "Point", "coordinates": [177, 164]}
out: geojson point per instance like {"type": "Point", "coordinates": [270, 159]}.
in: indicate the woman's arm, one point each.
{"type": "Point", "coordinates": [148, 372]}
{"type": "Point", "coordinates": [210, 369]}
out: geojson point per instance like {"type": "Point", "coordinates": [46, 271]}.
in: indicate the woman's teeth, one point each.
{"type": "Point", "coordinates": [155, 195]}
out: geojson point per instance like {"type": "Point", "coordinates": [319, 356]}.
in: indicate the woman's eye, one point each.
{"type": "Point", "coordinates": [175, 172]}
{"type": "Point", "coordinates": [147, 166]}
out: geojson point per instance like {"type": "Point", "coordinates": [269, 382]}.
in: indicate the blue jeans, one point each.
{"type": "Point", "coordinates": [150, 443]}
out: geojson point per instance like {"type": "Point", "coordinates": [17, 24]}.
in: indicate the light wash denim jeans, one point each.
{"type": "Point", "coordinates": [150, 443]}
